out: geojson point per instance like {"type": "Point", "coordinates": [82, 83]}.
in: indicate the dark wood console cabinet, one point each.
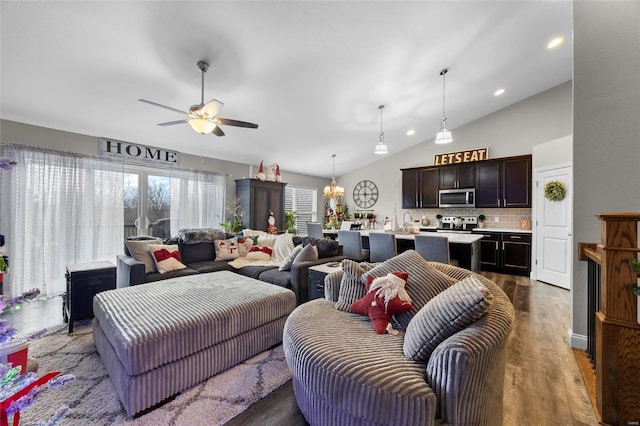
{"type": "Point", "coordinates": [85, 280]}
{"type": "Point", "coordinates": [257, 198]}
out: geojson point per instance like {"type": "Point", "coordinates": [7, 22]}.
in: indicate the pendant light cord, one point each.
{"type": "Point", "coordinates": [443, 73]}
{"type": "Point", "coordinates": [381, 107]}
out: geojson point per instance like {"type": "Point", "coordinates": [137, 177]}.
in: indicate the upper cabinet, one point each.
{"type": "Point", "coordinates": [420, 188]}
{"type": "Point", "coordinates": [458, 176]}
{"type": "Point", "coordinates": [504, 182]}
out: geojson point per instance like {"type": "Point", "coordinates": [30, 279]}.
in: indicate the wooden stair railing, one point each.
{"type": "Point", "coordinates": [615, 328]}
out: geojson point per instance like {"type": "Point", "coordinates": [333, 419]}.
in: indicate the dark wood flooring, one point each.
{"type": "Point", "coordinates": [543, 384]}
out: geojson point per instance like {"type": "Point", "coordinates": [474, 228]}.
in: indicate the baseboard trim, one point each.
{"type": "Point", "coordinates": [577, 341]}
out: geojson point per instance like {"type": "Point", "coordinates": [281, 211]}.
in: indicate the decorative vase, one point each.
{"type": "Point", "coordinates": [480, 224]}
{"type": "Point", "coordinates": [15, 353]}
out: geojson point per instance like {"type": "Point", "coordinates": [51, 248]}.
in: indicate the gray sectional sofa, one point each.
{"type": "Point", "coordinates": [345, 373]}
{"type": "Point", "coordinates": [199, 258]}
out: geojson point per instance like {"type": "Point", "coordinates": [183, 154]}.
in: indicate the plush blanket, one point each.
{"type": "Point", "coordinates": [282, 246]}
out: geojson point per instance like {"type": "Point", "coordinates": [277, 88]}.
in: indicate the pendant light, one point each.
{"type": "Point", "coordinates": [381, 148]}
{"type": "Point", "coordinates": [444, 135]}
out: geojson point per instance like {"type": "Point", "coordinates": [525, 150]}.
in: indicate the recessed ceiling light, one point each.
{"type": "Point", "coordinates": [555, 42]}
{"type": "Point", "coordinates": [499, 92]}
{"type": "Point", "coordinates": [411, 132]}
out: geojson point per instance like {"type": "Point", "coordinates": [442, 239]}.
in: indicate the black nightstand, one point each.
{"type": "Point", "coordinates": [85, 280]}
{"type": "Point", "coordinates": [316, 278]}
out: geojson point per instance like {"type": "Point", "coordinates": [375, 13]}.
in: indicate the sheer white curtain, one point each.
{"type": "Point", "coordinates": [197, 199]}
{"type": "Point", "coordinates": [57, 209]}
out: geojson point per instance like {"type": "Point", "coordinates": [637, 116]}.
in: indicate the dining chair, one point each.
{"type": "Point", "coordinates": [351, 243]}
{"type": "Point", "coordinates": [434, 248]}
{"type": "Point", "coordinates": [382, 246]}
{"type": "Point", "coordinates": [314, 230]}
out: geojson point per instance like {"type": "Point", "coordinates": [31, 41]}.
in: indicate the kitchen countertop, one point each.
{"type": "Point", "coordinates": [454, 237]}
{"type": "Point", "coordinates": [524, 231]}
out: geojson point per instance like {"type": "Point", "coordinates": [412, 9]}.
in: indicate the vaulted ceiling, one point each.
{"type": "Point", "coordinates": [311, 73]}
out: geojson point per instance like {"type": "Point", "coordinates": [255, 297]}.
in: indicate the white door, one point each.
{"type": "Point", "coordinates": [554, 228]}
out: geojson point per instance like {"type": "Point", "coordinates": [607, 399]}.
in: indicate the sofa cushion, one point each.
{"type": "Point", "coordinates": [288, 261]}
{"type": "Point", "coordinates": [424, 283]}
{"type": "Point", "coordinates": [326, 248]}
{"type": "Point", "coordinates": [210, 266]}
{"type": "Point", "coordinates": [167, 257]}
{"type": "Point", "coordinates": [227, 249]}
{"type": "Point", "coordinates": [156, 276]}
{"type": "Point", "coordinates": [352, 286]}
{"type": "Point", "coordinates": [196, 252]}
{"type": "Point", "coordinates": [444, 315]}
{"type": "Point", "coordinates": [139, 250]}
{"type": "Point", "coordinates": [277, 277]}
{"type": "Point", "coordinates": [253, 271]}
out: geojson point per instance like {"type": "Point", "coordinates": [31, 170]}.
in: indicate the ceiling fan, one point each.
{"type": "Point", "coordinates": [202, 117]}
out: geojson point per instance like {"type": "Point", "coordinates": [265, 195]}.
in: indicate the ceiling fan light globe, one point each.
{"type": "Point", "coordinates": [202, 126]}
{"type": "Point", "coordinates": [443, 137]}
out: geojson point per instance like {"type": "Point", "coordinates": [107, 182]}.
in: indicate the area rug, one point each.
{"type": "Point", "coordinates": [93, 400]}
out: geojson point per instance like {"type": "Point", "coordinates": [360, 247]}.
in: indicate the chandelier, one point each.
{"type": "Point", "coordinates": [444, 135]}
{"type": "Point", "coordinates": [333, 190]}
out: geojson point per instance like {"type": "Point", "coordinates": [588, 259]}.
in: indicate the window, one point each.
{"type": "Point", "coordinates": [304, 202]}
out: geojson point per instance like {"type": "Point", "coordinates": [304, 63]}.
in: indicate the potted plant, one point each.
{"type": "Point", "coordinates": [481, 219]}
{"type": "Point", "coordinates": [290, 221]}
{"type": "Point", "coordinates": [439, 220]}
{"type": "Point", "coordinates": [234, 214]}
{"type": "Point", "coordinates": [3, 267]}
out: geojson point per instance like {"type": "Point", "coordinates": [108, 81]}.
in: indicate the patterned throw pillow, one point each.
{"type": "Point", "coordinates": [424, 283]}
{"type": "Point", "coordinates": [443, 316]}
{"type": "Point", "coordinates": [352, 285]}
{"type": "Point", "coordinates": [288, 261]}
{"type": "Point", "coordinates": [167, 257]}
{"type": "Point", "coordinates": [259, 253]}
{"type": "Point", "coordinates": [244, 245]}
{"type": "Point", "coordinates": [139, 250]}
{"type": "Point", "coordinates": [227, 249]}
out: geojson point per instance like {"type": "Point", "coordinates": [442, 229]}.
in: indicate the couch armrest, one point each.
{"type": "Point", "coordinates": [300, 276]}
{"type": "Point", "coordinates": [129, 271]}
{"type": "Point", "coordinates": [466, 371]}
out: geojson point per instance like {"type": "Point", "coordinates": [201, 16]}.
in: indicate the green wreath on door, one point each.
{"type": "Point", "coordinates": [555, 191]}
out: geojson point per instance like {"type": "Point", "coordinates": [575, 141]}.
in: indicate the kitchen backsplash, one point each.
{"type": "Point", "coordinates": [508, 218]}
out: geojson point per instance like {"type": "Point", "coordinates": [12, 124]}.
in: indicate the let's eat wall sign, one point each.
{"type": "Point", "coordinates": [461, 157]}
{"type": "Point", "coordinates": [138, 153]}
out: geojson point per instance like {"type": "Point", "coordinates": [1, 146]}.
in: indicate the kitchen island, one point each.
{"type": "Point", "coordinates": [465, 248]}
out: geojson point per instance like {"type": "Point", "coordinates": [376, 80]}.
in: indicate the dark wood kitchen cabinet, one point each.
{"type": "Point", "coordinates": [459, 176]}
{"type": "Point", "coordinates": [504, 182]}
{"type": "Point", "coordinates": [257, 199]}
{"type": "Point", "coordinates": [420, 188]}
{"type": "Point", "coordinates": [506, 252]}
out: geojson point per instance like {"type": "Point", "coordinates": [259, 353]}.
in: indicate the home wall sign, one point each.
{"type": "Point", "coordinates": [461, 157]}
{"type": "Point", "coordinates": [138, 153]}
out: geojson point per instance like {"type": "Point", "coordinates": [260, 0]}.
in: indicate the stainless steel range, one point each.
{"type": "Point", "coordinates": [464, 224]}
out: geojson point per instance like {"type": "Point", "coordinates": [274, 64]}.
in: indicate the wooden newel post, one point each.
{"type": "Point", "coordinates": [617, 328]}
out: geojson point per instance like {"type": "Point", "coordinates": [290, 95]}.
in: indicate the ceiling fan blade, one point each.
{"type": "Point", "coordinates": [162, 106]}
{"type": "Point", "coordinates": [229, 122]}
{"type": "Point", "coordinates": [217, 131]}
{"type": "Point", "coordinates": [212, 108]}
{"type": "Point", "coordinates": [171, 123]}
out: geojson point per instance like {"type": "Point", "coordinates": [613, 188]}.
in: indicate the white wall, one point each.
{"type": "Point", "coordinates": [511, 131]}
{"type": "Point", "coordinates": [606, 134]}
{"type": "Point", "coordinates": [25, 134]}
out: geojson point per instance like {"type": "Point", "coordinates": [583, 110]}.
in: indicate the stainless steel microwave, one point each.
{"type": "Point", "coordinates": [465, 197]}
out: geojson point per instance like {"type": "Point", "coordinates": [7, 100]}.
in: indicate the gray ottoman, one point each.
{"type": "Point", "coordinates": [159, 338]}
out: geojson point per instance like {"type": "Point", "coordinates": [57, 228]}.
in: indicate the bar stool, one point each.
{"type": "Point", "coordinates": [382, 246]}
{"type": "Point", "coordinates": [351, 243]}
{"type": "Point", "coordinates": [314, 230]}
{"type": "Point", "coordinates": [433, 248]}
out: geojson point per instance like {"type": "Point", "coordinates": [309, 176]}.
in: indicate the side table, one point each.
{"type": "Point", "coordinates": [316, 278]}
{"type": "Point", "coordinates": [85, 280]}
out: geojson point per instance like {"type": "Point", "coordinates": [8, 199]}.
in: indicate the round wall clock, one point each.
{"type": "Point", "coordinates": [365, 194]}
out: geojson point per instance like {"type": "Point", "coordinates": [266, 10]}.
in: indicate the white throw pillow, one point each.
{"type": "Point", "coordinates": [288, 261]}
{"type": "Point", "coordinates": [167, 257]}
{"type": "Point", "coordinates": [139, 250]}
{"type": "Point", "coordinates": [227, 249]}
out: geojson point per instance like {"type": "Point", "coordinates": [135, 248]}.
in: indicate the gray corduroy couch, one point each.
{"type": "Point", "coordinates": [346, 374]}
